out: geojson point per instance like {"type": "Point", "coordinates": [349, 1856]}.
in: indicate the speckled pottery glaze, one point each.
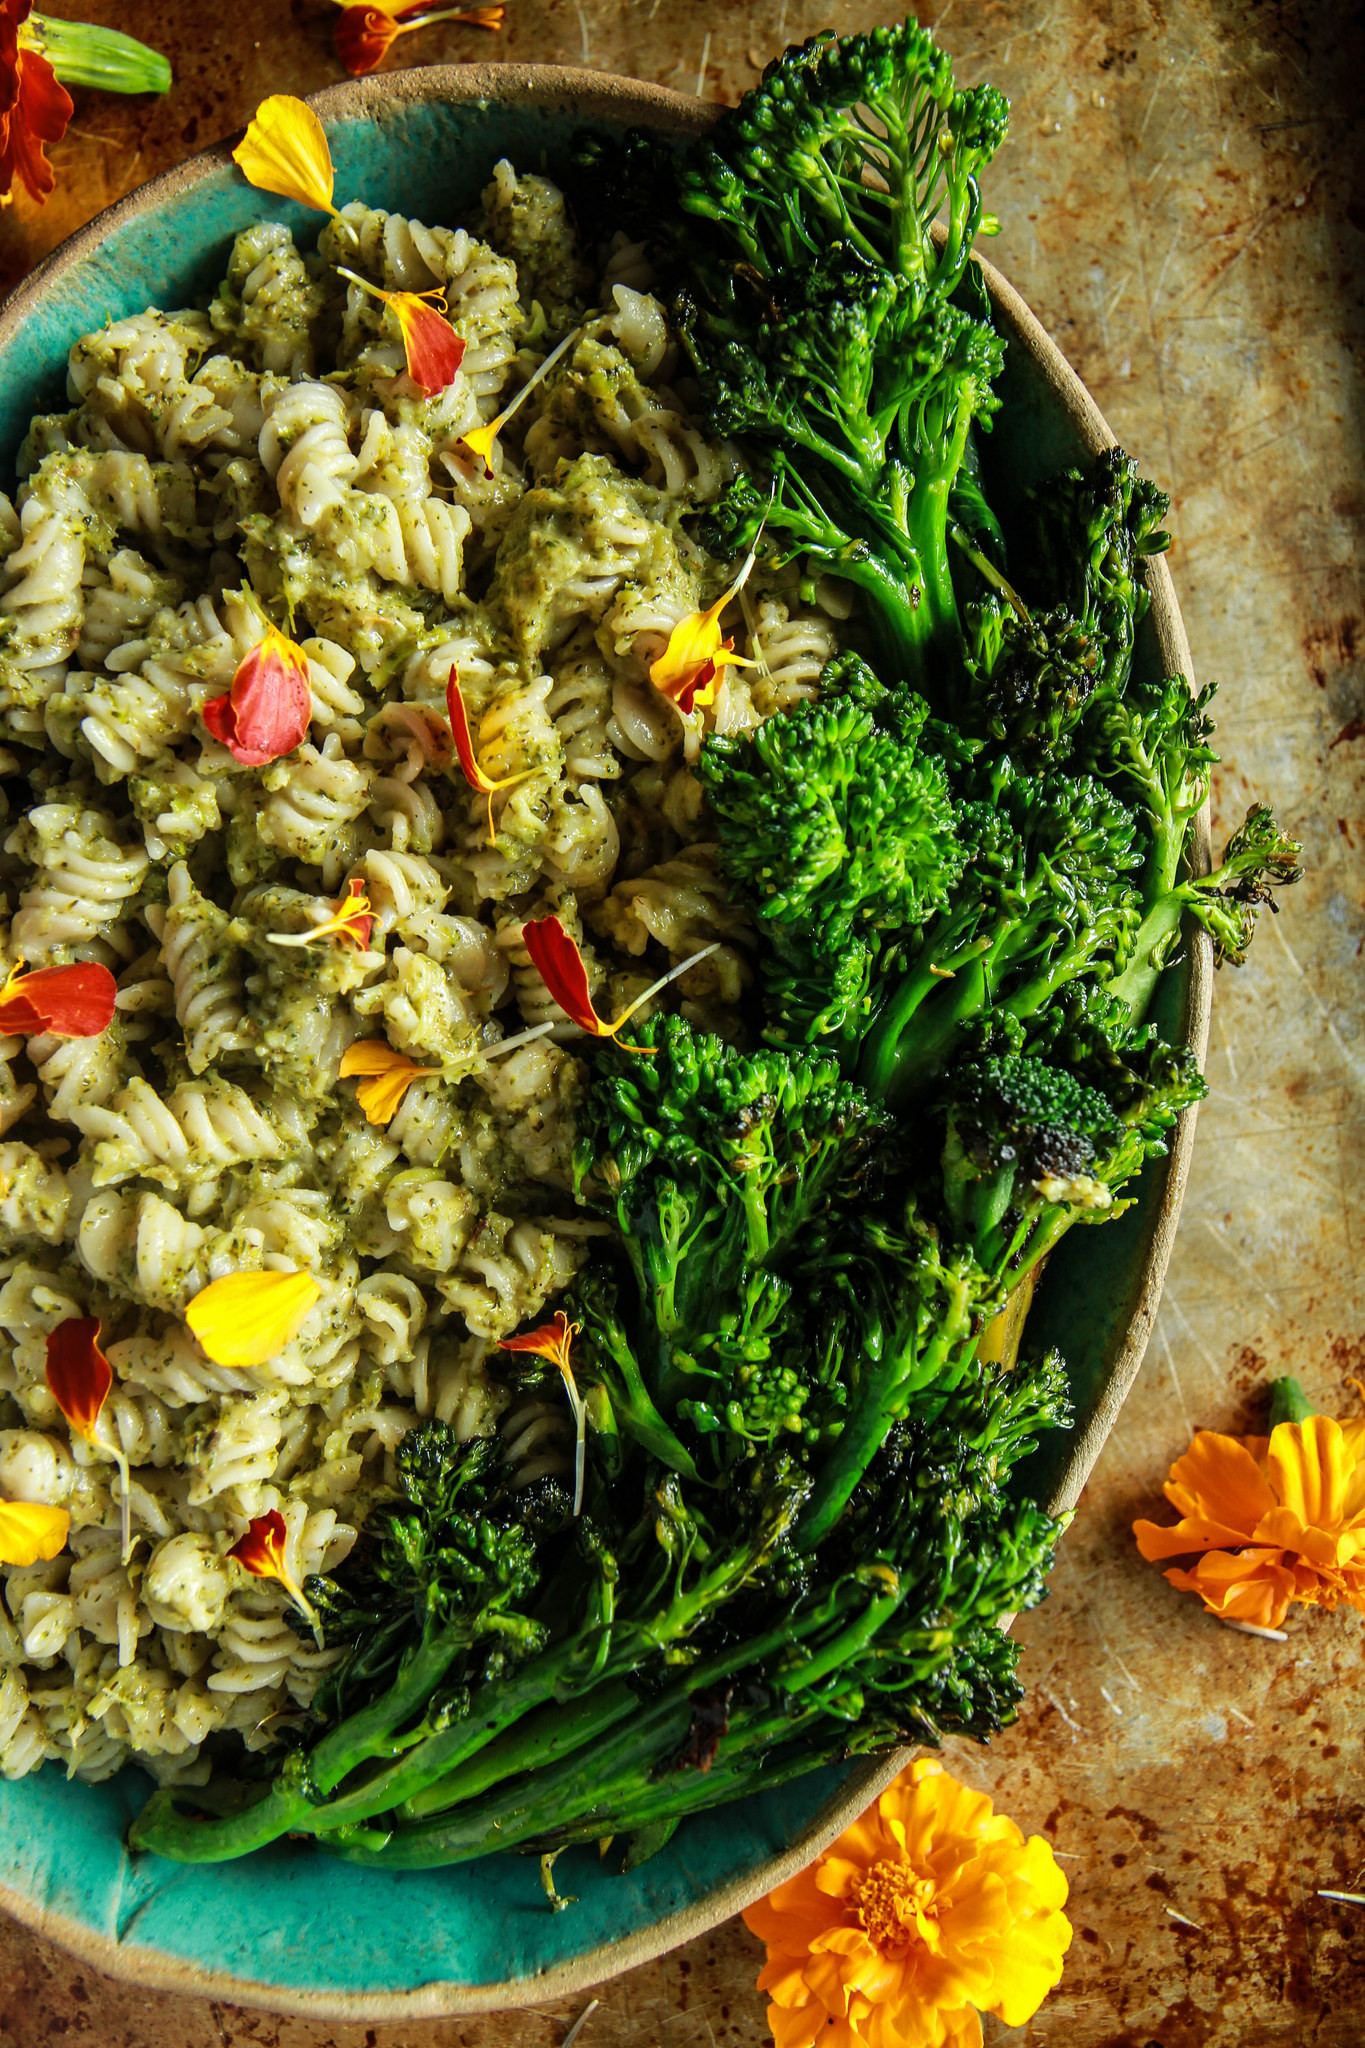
{"type": "Point", "coordinates": [291, 1929]}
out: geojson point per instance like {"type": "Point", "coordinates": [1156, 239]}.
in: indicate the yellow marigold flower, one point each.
{"type": "Point", "coordinates": [285, 150]}
{"type": "Point", "coordinates": [30, 1530]}
{"type": "Point", "coordinates": [479, 440]}
{"type": "Point", "coordinates": [245, 1318]}
{"type": "Point", "coordinates": [689, 671]}
{"type": "Point", "coordinates": [928, 1910]}
{"type": "Point", "coordinates": [1271, 1520]}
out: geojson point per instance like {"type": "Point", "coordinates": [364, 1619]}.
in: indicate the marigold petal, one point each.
{"type": "Point", "coordinates": [266, 713]}
{"type": "Point", "coordinates": [246, 1318]}
{"type": "Point", "coordinates": [79, 1375]}
{"type": "Point", "coordinates": [561, 967]}
{"type": "Point", "coordinates": [285, 150]}
{"type": "Point", "coordinates": [30, 1530]}
{"type": "Point", "coordinates": [433, 349]}
{"type": "Point", "coordinates": [72, 1002]}
{"type": "Point", "coordinates": [1251, 1585]}
{"type": "Point", "coordinates": [800, 2027]}
{"type": "Point", "coordinates": [550, 1340]}
{"type": "Point", "coordinates": [464, 740]}
{"type": "Point", "coordinates": [479, 441]}
{"type": "Point", "coordinates": [1219, 1480]}
{"type": "Point", "coordinates": [1310, 1467]}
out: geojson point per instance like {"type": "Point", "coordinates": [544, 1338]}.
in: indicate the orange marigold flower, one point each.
{"type": "Point", "coordinates": [351, 919]}
{"type": "Point", "coordinates": [928, 1910]}
{"type": "Point", "coordinates": [30, 1529]}
{"type": "Point", "coordinates": [1270, 1520]}
{"type": "Point", "coordinates": [689, 670]}
{"type": "Point", "coordinates": [285, 150]}
{"type": "Point", "coordinates": [364, 35]}
{"type": "Point", "coordinates": [554, 1341]}
{"type": "Point", "coordinates": [71, 1002]}
{"type": "Point", "coordinates": [474, 775]}
{"type": "Point", "coordinates": [262, 1552]}
{"type": "Point", "coordinates": [246, 1318]}
{"type": "Point", "coordinates": [388, 1075]}
{"type": "Point", "coordinates": [79, 1378]}
{"type": "Point", "coordinates": [34, 107]}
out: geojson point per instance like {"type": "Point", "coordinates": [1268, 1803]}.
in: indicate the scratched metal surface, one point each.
{"type": "Point", "coordinates": [1183, 209]}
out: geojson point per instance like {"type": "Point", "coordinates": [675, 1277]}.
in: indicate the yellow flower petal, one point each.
{"type": "Point", "coordinates": [246, 1318]}
{"type": "Point", "coordinates": [285, 150]}
{"type": "Point", "coordinates": [389, 1075]}
{"type": "Point", "coordinates": [1310, 1467]}
{"type": "Point", "coordinates": [30, 1530]}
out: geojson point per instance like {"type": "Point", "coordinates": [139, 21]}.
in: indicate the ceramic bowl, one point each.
{"type": "Point", "coordinates": [291, 1929]}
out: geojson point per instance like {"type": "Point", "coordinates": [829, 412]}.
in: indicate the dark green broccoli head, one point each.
{"type": "Point", "coordinates": [830, 827]}
{"type": "Point", "coordinates": [1087, 533]}
{"type": "Point", "coordinates": [1031, 679]}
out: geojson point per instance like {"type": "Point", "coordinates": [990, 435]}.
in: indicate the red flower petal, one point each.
{"type": "Point", "coordinates": [560, 966]}
{"type": "Point", "coordinates": [363, 38]}
{"type": "Point", "coordinates": [463, 738]}
{"type": "Point", "coordinates": [34, 110]}
{"type": "Point", "coordinates": [78, 1373]}
{"type": "Point", "coordinates": [434, 350]}
{"type": "Point", "coordinates": [261, 1550]}
{"type": "Point", "coordinates": [266, 712]}
{"type": "Point", "coordinates": [551, 1340]}
{"type": "Point", "coordinates": [75, 1002]}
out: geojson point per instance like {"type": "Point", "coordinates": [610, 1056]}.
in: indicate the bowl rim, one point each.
{"type": "Point", "coordinates": [613, 99]}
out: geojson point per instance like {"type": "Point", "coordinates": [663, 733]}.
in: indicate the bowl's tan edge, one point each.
{"type": "Point", "coordinates": [598, 96]}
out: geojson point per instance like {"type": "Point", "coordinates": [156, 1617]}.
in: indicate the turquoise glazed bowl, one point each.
{"type": "Point", "coordinates": [291, 1929]}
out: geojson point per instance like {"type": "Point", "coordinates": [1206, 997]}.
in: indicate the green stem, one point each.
{"type": "Point", "coordinates": [1289, 1403]}
{"type": "Point", "coordinates": [82, 53]}
{"type": "Point", "coordinates": [544, 1737]}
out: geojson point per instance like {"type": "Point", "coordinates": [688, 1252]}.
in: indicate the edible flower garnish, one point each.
{"type": "Point", "coordinates": [929, 1910]}
{"type": "Point", "coordinates": [388, 1075]}
{"type": "Point", "coordinates": [688, 672]}
{"type": "Point", "coordinates": [30, 1529]}
{"type": "Point", "coordinates": [285, 150]}
{"type": "Point", "coordinates": [561, 967]}
{"type": "Point", "coordinates": [266, 712]}
{"type": "Point", "coordinates": [79, 1378]}
{"type": "Point", "coordinates": [364, 35]}
{"type": "Point", "coordinates": [262, 1553]}
{"type": "Point", "coordinates": [433, 349]}
{"type": "Point", "coordinates": [351, 920]}
{"type": "Point", "coordinates": [245, 1318]}
{"type": "Point", "coordinates": [72, 1002]}
{"type": "Point", "coordinates": [553, 1340]}
{"type": "Point", "coordinates": [1270, 1520]}
{"type": "Point", "coordinates": [37, 53]}
{"type": "Point", "coordinates": [464, 747]}
{"type": "Point", "coordinates": [480, 440]}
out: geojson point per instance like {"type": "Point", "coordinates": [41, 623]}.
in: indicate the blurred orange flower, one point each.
{"type": "Point", "coordinates": [365, 33]}
{"type": "Point", "coordinates": [928, 1910]}
{"type": "Point", "coordinates": [1272, 1520]}
{"type": "Point", "coordinates": [34, 108]}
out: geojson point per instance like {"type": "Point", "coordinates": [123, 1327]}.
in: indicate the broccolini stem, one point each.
{"type": "Point", "coordinates": [542, 1738]}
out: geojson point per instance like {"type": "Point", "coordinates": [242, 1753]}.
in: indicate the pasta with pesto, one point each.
{"type": "Point", "coordinates": [267, 459]}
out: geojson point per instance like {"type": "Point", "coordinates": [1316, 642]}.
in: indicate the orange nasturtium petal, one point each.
{"type": "Point", "coordinates": [71, 1002]}
{"type": "Point", "coordinates": [688, 672]}
{"type": "Point", "coordinates": [30, 1529]}
{"type": "Point", "coordinates": [433, 349]}
{"type": "Point", "coordinates": [351, 920]}
{"type": "Point", "coordinates": [474, 775]}
{"type": "Point", "coordinates": [34, 109]}
{"type": "Point", "coordinates": [245, 1318]}
{"type": "Point", "coordinates": [78, 1373]}
{"type": "Point", "coordinates": [285, 150]}
{"type": "Point", "coordinates": [266, 712]}
{"type": "Point", "coordinates": [554, 1341]}
{"type": "Point", "coordinates": [388, 1077]}
{"type": "Point", "coordinates": [365, 34]}
{"type": "Point", "coordinates": [262, 1552]}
